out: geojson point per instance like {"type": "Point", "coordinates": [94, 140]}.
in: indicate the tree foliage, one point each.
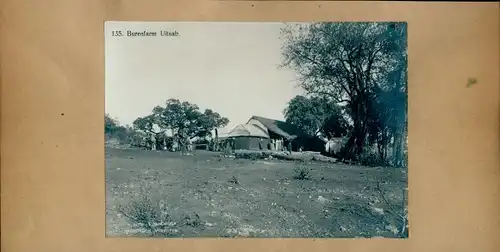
{"type": "Point", "coordinates": [359, 65]}
{"type": "Point", "coordinates": [110, 124]}
{"type": "Point", "coordinates": [123, 134]}
{"type": "Point", "coordinates": [146, 124]}
{"type": "Point", "coordinates": [183, 118]}
{"type": "Point", "coordinates": [316, 115]}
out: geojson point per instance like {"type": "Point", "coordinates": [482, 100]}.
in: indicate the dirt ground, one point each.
{"type": "Point", "coordinates": [201, 198]}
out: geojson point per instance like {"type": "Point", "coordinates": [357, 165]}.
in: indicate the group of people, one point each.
{"type": "Point", "coordinates": [277, 145]}
{"type": "Point", "coordinates": [274, 145]}
{"type": "Point", "coordinates": [175, 144]}
{"type": "Point", "coordinates": [185, 145]}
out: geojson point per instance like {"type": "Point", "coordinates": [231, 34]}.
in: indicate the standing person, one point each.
{"type": "Point", "coordinates": [290, 147]}
{"type": "Point", "coordinates": [153, 142]}
{"type": "Point", "coordinates": [182, 143]}
{"type": "Point", "coordinates": [233, 145]}
{"type": "Point", "coordinates": [216, 141]}
{"type": "Point", "coordinates": [227, 146]}
{"type": "Point", "coordinates": [189, 144]}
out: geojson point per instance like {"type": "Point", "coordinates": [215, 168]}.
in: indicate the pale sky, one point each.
{"type": "Point", "coordinates": [228, 67]}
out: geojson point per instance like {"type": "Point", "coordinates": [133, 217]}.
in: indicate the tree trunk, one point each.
{"type": "Point", "coordinates": [398, 147]}
{"type": "Point", "coordinates": [380, 145]}
{"type": "Point", "coordinates": [386, 144]}
{"type": "Point", "coordinates": [216, 142]}
{"type": "Point", "coordinates": [387, 136]}
{"type": "Point", "coordinates": [402, 147]}
{"type": "Point", "coordinates": [349, 147]}
{"type": "Point", "coordinates": [356, 141]}
{"type": "Point", "coordinates": [394, 148]}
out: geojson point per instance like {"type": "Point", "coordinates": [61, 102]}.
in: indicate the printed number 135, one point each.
{"type": "Point", "coordinates": [116, 33]}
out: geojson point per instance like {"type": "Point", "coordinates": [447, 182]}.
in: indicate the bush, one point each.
{"type": "Point", "coordinates": [191, 219]}
{"type": "Point", "coordinates": [302, 172]}
{"type": "Point", "coordinates": [251, 155]}
{"type": "Point", "coordinates": [233, 180]}
{"type": "Point", "coordinates": [150, 215]}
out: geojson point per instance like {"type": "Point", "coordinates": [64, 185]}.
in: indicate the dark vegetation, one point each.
{"type": "Point", "coordinates": [355, 76]}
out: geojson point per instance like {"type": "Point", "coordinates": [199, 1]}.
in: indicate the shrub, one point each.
{"type": "Point", "coordinates": [148, 214]}
{"type": "Point", "coordinates": [191, 219]}
{"type": "Point", "coordinates": [233, 180]}
{"type": "Point", "coordinates": [302, 172]}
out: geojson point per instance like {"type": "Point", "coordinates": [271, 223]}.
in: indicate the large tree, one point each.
{"type": "Point", "coordinates": [183, 118]}
{"type": "Point", "coordinates": [147, 124]}
{"type": "Point", "coordinates": [350, 63]}
{"type": "Point", "coordinates": [316, 116]}
{"type": "Point", "coordinates": [211, 120]}
{"type": "Point", "coordinates": [186, 119]}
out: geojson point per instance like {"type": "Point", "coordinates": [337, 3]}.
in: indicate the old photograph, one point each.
{"type": "Point", "coordinates": [256, 129]}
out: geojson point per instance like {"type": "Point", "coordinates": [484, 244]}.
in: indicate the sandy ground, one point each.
{"type": "Point", "coordinates": [337, 200]}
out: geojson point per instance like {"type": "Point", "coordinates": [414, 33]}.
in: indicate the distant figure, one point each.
{"type": "Point", "coordinates": [175, 146]}
{"type": "Point", "coordinates": [260, 143]}
{"type": "Point", "coordinates": [333, 146]}
{"type": "Point", "coordinates": [189, 145]}
{"type": "Point", "coordinates": [329, 147]}
{"type": "Point", "coordinates": [216, 140]}
{"type": "Point", "coordinates": [182, 145]}
{"type": "Point", "coordinates": [153, 142]}
{"type": "Point", "coordinates": [290, 147]}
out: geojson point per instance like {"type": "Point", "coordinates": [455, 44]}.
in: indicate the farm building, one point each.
{"type": "Point", "coordinates": [246, 137]}
{"type": "Point", "coordinates": [261, 133]}
{"type": "Point", "coordinates": [282, 135]}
